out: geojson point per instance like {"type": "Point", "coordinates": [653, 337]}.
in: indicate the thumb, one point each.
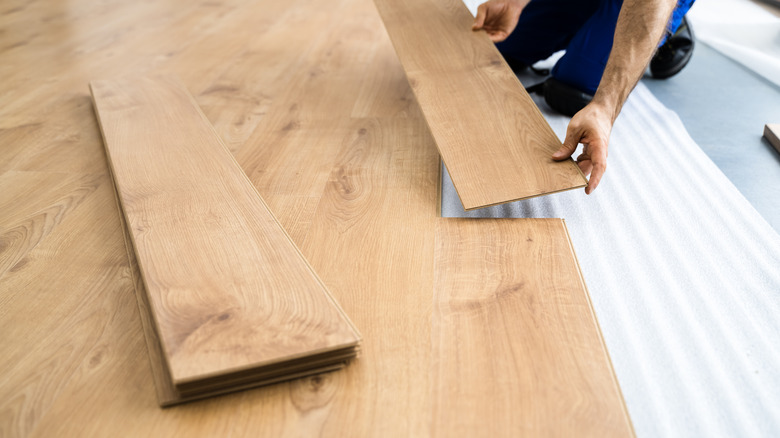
{"type": "Point", "coordinates": [568, 147]}
{"type": "Point", "coordinates": [479, 21]}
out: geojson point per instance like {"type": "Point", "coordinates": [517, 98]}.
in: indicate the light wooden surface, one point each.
{"type": "Point", "coordinates": [167, 393]}
{"type": "Point", "coordinates": [231, 299]}
{"type": "Point", "coordinates": [311, 98]}
{"type": "Point", "coordinates": [496, 144]}
{"type": "Point", "coordinates": [772, 134]}
{"type": "Point", "coordinates": [513, 324]}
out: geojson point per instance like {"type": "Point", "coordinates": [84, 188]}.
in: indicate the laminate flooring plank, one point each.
{"type": "Point", "coordinates": [64, 321]}
{"type": "Point", "coordinates": [196, 41]}
{"type": "Point", "coordinates": [316, 97]}
{"type": "Point", "coordinates": [241, 96]}
{"type": "Point", "coordinates": [228, 290]}
{"type": "Point", "coordinates": [492, 137]}
{"type": "Point", "coordinates": [290, 154]}
{"type": "Point", "coordinates": [27, 217]}
{"type": "Point", "coordinates": [385, 92]}
{"type": "Point", "coordinates": [517, 348]}
{"type": "Point", "coordinates": [372, 239]}
{"type": "Point", "coordinates": [772, 134]}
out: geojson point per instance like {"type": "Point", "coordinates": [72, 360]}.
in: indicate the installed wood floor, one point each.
{"type": "Point", "coordinates": [496, 144]}
{"type": "Point", "coordinates": [310, 97]}
{"type": "Point", "coordinates": [510, 288]}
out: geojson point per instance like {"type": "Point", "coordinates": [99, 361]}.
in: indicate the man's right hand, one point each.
{"type": "Point", "coordinates": [591, 126]}
{"type": "Point", "coordinates": [498, 17]}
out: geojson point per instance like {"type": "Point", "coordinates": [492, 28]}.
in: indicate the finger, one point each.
{"type": "Point", "coordinates": [599, 168]}
{"type": "Point", "coordinates": [479, 21]}
{"type": "Point", "coordinates": [498, 36]}
{"type": "Point", "coordinates": [569, 145]}
{"type": "Point", "coordinates": [586, 166]}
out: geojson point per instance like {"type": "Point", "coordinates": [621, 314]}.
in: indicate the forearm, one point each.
{"type": "Point", "coordinates": [640, 27]}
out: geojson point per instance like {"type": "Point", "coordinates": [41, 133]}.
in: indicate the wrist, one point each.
{"type": "Point", "coordinates": [606, 103]}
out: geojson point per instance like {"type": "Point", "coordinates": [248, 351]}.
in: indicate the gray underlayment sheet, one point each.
{"type": "Point", "coordinates": [684, 275]}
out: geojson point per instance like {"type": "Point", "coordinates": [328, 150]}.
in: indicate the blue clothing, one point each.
{"type": "Point", "coordinates": [584, 28]}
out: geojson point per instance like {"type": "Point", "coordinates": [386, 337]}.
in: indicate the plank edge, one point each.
{"type": "Point", "coordinates": [616, 384]}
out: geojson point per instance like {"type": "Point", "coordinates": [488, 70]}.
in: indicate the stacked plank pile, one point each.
{"type": "Point", "coordinates": [229, 300]}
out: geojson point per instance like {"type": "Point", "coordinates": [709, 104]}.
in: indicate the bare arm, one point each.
{"type": "Point", "coordinates": [640, 27]}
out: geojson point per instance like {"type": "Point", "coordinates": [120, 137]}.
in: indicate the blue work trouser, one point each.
{"type": "Point", "coordinates": [584, 28]}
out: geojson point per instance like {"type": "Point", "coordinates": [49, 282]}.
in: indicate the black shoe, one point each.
{"type": "Point", "coordinates": [674, 54]}
{"type": "Point", "coordinates": [515, 65]}
{"type": "Point", "coordinates": [561, 97]}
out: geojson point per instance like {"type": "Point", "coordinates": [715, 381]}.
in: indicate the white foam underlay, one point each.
{"type": "Point", "coordinates": [741, 30]}
{"type": "Point", "coordinates": [684, 276]}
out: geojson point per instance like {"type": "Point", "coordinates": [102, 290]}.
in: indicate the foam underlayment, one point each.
{"type": "Point", "coordinates": [684, 275]}
{"type": "Point", "coordinates": [741, 30]}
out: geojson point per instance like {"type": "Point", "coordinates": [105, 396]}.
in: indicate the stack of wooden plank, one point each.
{"type": "Point", "coordinates": [227, 298]}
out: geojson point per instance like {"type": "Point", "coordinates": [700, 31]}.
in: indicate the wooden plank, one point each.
{"type": "Point", "coordinates": [63, 315]}
{"type": "Point", "coordinates": [167, 393]}
{"type": "Point", "coordinates": [372, 239]}
{"type": "Point", "coordinates": [28, 216]}
{"type": "Point", "coordinates": [772, 134]}
{"type": "Point", "coordinates": [518, 349]}
{"type": "Point", "coordinates": [229, 292]}
{"type": "Point", "coordinates": [494, 140]}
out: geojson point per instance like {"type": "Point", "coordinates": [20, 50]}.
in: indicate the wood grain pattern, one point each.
{"type": "Point", "coordinates": [232, 299]}
{"type": "Point", "coordinates": [328, 131]}
{"type": "Point", "coordinates": [772, 134]}
{"type": "Point", "coordinates": [518, 348]}
{"type": "Point", "coordinates": [492, 137]}
{"type": "Point", "coordinates": [167, 393]}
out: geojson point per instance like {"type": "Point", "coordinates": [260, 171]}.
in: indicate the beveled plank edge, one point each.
{"type": "Point", "coordinates": [473, 207]}
{"type": "Point", "coordinates": [440, 175]}
{"type": "Point", "coordinates": [151, 313]}
{"type": "Point", "coordinates": [595, 320]}
{"type": "Point", "coordinates": [164, 389]}
{"type": "Point", "coordinates": [223, 391]}
{"type": "Point", "coordinates": [257, 367]}
{"type": "Point", "coordinates": [260, 375]}
{"type": "Point", "coordinates": [165, 392]}
{"type": "Point", "coordinates": [772, 134]}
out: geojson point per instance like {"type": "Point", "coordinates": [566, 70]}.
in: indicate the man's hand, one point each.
{"type": "Point", "coordinates": [640, 26]}
{"type": "Point", "coordinates": [498, 18]}
{"type": "Point", "coordinates": [591, 126]}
